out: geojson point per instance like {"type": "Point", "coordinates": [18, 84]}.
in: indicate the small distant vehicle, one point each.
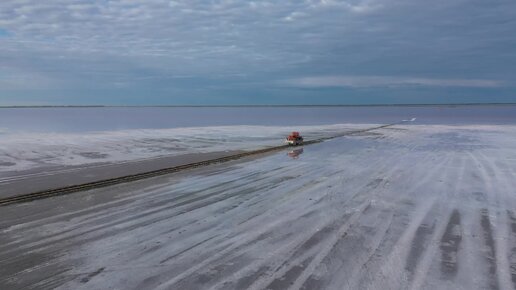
{"type": "Point", "coordinates": [294, 139]}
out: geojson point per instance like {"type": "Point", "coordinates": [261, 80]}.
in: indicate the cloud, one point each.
{"type": "Point", "coordinates": [69, 47]}
{"type": "Point", "coordinates": [4, 33]}
{"type": "Point", "coordinates": [388, 81]}
{"type": "Point", "coordinates": [294, 15]}
{"type": "Point", "coordinates": [363, 6]}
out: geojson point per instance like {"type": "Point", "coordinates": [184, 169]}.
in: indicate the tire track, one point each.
{"type": "Point", "coordinates": [495, 237]}
{"type": "Point", "coordinates": [426, 239]}
{"type": "Point", "coordinates": [490, 249]}
{"type": "Point", "coordinates": [450, 244]}
{"type": "Point", "coordinates": [512, 255]}
{"type": "Point", "coordinates": [303, 253]}
{"type": "Point", "coordinates": [398, 229]}
{"type": "Point", "coordinates": [323, 253]}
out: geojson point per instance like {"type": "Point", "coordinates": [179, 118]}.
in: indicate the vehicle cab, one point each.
{"type": "Point", "coordinates": [294, 139]}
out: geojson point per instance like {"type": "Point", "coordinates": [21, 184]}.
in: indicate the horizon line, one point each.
{"type": "Point", "coordinates": [254, 105]}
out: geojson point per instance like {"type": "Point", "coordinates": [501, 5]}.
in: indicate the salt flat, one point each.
{"type": "Point", "coordinates": [406, 207]}
{"type": "Point", "coordinates": [28, 154]}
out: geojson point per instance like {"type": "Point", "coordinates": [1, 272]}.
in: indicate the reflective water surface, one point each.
{"type": "Point", "coordinates": [118, 118]}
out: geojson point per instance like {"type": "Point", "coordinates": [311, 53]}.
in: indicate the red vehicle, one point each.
{"type": "Point", "coordinates": [294, 139]}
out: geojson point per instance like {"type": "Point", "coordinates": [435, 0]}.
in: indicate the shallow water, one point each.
{"type": "Point", "coordinates": [47, 151]}
{"type": "Point", "coordinates": [43, 138]}
{"type": "Point", "coordinates": [64, 120]}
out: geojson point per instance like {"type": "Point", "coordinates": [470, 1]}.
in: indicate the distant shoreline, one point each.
{"type": "Point", "coordinates": [259, 106]}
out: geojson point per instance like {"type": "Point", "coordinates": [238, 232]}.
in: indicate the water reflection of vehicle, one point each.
{"type": "Point", "coordinates": [295, 153]}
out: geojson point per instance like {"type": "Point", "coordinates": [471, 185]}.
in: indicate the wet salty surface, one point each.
{"type": "Point", "coordinates": [410, 207]}
{"type": "Point", "coordinates": [24, 155]}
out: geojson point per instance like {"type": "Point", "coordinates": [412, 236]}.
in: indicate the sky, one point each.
{"type": "Point", "coordinates": [234, 52]}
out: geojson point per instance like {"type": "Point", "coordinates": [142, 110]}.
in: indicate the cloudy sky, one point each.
{"type": "Point", "coordinates": [134, 52]}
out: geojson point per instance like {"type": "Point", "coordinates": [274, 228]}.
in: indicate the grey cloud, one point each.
{"type": "Point", "coordinates": [387, 81]}
{"type": "Point", "coordinates": [68, 44]}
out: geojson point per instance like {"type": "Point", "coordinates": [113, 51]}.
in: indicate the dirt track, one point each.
{"type": "Point", "coordinates": [411, 207]}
